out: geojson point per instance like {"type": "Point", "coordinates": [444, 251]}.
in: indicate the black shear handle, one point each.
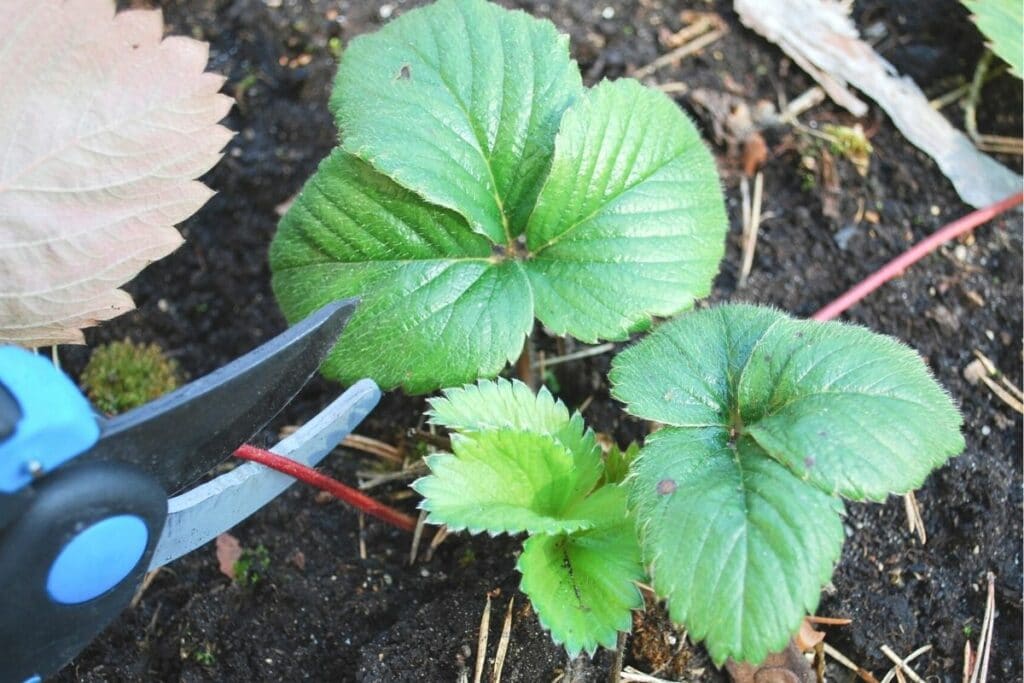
{"type": "Point", "coordinates": [72, 562]}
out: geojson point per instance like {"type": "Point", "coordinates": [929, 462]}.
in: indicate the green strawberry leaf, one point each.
{"type": "Point", "coordinates": [458, 133]}
{"type": "Point", "coordinates": [435, 308]}
{"type": "Point", "coordinates": [780, 410]}
{"type": "Point", "coordinates": [1002, 23]}
{"type": "Point", "coordinates": [504, 481]}
{"type": "Point", "coordinates": [738, 545]}
{"type": "Point", "coordinates": [459, 102]}
{"type": "Point", "coordinates": [630, 221]}
{"type": "Point", "coordinates": [582, 584]}
{"type": "Point", "coordinates": [852, 412]}
{"type": "Point", "coordinates": [685, 374]}
{"type": "Point", "coordinates": [504, 404]}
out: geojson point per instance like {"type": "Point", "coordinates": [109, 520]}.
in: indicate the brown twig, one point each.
{"type": "Point", "coordinates": [506, 636]}
{"type": "Point", "coordinates": [862, 674]}
{"type": "Point", "coordinates": [914, 520]}
{"type": "Point", "coordinates": [481, 641]}
{"type": "Point", "coordinates": [979, 672]}
{"type": "Point", "coordinates": [829, 621]}
{"type": "Point", "coordinates": [751, 227]}
{"type": "Point", "coordinates": [902, 664]}
{"type": "Point", "coordinates": [380, 449]}
{"type": "Point", "coordinates": [699, 38]}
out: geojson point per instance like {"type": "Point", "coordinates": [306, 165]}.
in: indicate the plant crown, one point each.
{"type": "Point", "coordinates": [479, 184]}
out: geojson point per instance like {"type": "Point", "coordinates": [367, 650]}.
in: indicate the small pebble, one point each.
{"type": "Point", "coordinates": [985, 430]}
{"type": "Point", "coordinates": [935, 211]}
{"type": "Point", "coordinates": [608, 13]}
{"type": "Point", "coordinates": [386, 11]}
{"type": "Point", "coordinates": [960, 252]}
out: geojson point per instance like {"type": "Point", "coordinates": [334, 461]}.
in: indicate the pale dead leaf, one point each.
{"type": "Point", "coordinates": [104, 127]}
{"type": "Point", "coordinates": [229, 552]}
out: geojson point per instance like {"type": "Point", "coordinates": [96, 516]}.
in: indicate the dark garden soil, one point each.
{"type": "Point", "coordinates": [319, 611]}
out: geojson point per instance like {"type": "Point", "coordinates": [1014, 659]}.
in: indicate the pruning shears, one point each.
{"type": "Point", "coordinates": [88, 505]}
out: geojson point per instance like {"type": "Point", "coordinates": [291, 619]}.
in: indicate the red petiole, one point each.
{"type": "Point", "coordinates": [310, 476]}
{"type": "Point", "coordinates": [916, 253]}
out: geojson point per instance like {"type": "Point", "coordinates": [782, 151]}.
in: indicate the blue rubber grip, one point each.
{"type": "Point", "coordinates": [56, 423]}
{"type": "Point", "coordinates": [97, 559]}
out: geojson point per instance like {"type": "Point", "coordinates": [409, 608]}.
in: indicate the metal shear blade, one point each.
{"type": "Point", "coordinates": [201, 513]}
{"type": "Point", "coordinates": [181, 436]}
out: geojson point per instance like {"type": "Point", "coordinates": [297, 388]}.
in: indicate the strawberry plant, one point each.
{"type": "Point", "coordinates": [478, 185]}
{"type": "Point", "coordinates": [770, 422]}
{"type": "Point", "coordinates": [734, 507]}
{"type": "Point", "coordinates": [522, 463]}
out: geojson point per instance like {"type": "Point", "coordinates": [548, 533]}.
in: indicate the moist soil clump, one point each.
{"type": "Point", "coordinates": [321, 610]}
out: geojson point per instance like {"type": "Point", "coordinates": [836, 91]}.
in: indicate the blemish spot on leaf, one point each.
{"type": "Point", "coordinates": [404, 74]}
{"type": "Point", "coordinates": [667, 487]}
{"type": "Point", "coordinates": [809, 461]}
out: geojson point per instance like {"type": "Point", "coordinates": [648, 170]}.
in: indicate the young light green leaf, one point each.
{"type": "Point", "coordinates": [435, 309]}
{"type": "Point", "coordinates": [618, 461]}
{"type": "Point", "coordinates": [738, 545]}
{"type": "Point", "coordinates": [1002, 23]}
{"type": "Point", "coordinates": [630, 221]}
{"type": "Point", "coordinates": [852, 412]}
{"type": "Point", "coordinates": [582, 584]}
{"type": "Point", "coordinates": [459, 102]}
{"type": "Point", "coordinates": [504, 481]}
{"type": "Point", "coordinates": [503, 404]}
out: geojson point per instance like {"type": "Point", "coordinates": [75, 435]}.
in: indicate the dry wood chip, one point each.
{"type": "Point", "coordinates": [820, 37]}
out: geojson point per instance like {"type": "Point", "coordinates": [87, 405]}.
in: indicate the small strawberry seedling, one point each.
{"type": "Point", "coordinates": [522, 463]}
{"type": "Point", "coordinates": [770, 422]}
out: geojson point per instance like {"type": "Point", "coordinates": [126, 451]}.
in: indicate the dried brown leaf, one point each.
{"type": "Point", "coordinates": [104, 126]}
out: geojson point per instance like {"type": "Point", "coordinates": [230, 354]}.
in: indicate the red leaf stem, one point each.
{"type": "Point", "coordinates": [345, 493]}
{"type": "Point", "coordinates": [916, 253]}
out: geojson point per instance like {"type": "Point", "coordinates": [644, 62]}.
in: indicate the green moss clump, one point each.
{"type": "Point", "coordinates": [124, 375]}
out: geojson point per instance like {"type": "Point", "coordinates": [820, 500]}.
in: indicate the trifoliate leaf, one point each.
{"type": "Point", "coordinates": [501, 404]}
{"type": "Point", "coordinates": [1002, 23]}
{"type": "Point", "coordinates": [736, 543]}
{"type": "Point", "coordinates": [853, 412]}
{"type": "Point", "coordinates": [838, 409]}
{"type": "Point", "coordinates": [435, 308]}
{"type": "Point", "coordinates": [582, 584]}
{"type": "Point", "coordinates": [630, 222]}
{"type": "Point", "coordinates": [504, 481]}
{"type": "Point", "coordinates": [457, 105]}
{"type": "Point", "coordinates": [104, 127]}
{"type": "Point", "coordinates": [459, 102]}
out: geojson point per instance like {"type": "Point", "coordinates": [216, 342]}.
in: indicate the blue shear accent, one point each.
{"type": "Point", "coordinates": [97, 559]}
{"type": "Point", "coordinates": [57, 423]}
